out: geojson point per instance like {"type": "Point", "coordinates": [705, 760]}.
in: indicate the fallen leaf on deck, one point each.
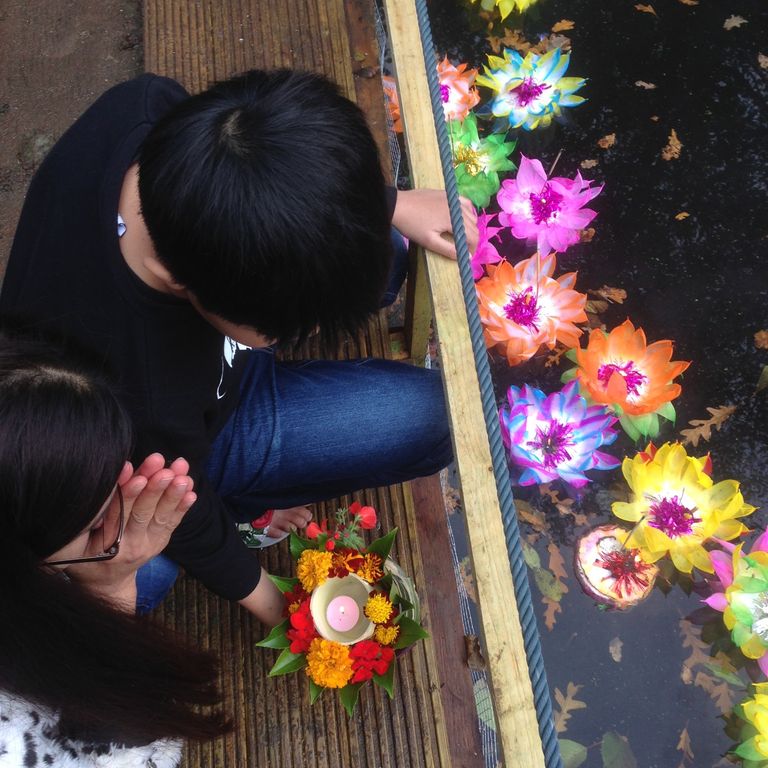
{"type": "Point", "coordinates": [761, 339]}
{"type": "Point", "coordinates": [682, 215]}
{"type": "Point", "coordinates": [567, 703]}
{"type": "Point", "coordinates": [762, 60]}
{"type": "Point", "coordinates": [674, 145]}
{"type": "Point", "coordinates": [468, 579]}
{"type": "Point", "coordinates": [643, 84]}
{"type": "Point", "coordinates": [586, 235]}
{"type": "Point", "coordinates": [646, 9]}
{"type": "Point", "coordinates": [475, 659]}
{"type": "Point", "coordinates": [614, 295]}
{"type": "Point", "coordinates": [684, 744]}
{"type": "Point", "coordinates": [702, 428]}
{"type": "Point", "coordinates": [564, 25]}
{"type": "Point", "coordinates": [734, 21]}
{"type": "Point", "coordinates": [588, 163]}
{"type": "Point", "coordinates": [607, 141]}
{"type": "Point", "coordinates": [614, 648]}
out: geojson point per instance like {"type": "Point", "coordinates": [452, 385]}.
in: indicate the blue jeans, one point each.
{"type": "Point", "coordinates": [314, 430]}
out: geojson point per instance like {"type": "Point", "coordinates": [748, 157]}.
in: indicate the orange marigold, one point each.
{"type": "Point", "coordinates": [329, 664]}
{"type": "Point", "coordinates": [371, 569]}
{"type": "Point", "coordinates": [313, 567]}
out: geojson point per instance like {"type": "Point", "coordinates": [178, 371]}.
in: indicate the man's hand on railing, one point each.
{"type": "Point", "coordinates": [422, 215]}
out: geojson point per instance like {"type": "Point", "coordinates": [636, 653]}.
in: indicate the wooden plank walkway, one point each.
{"type": "Point", "coordinates": [431, 720]}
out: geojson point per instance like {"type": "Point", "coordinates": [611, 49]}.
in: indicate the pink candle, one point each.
{"type": "Point", "coordinates": [342, 613]}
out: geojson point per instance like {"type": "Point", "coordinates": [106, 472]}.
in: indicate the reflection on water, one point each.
{"type": "Point", "coordinates": [652, 674]}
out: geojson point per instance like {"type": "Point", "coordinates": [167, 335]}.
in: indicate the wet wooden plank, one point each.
{"type": "Point", "coordinates": [511, 686]}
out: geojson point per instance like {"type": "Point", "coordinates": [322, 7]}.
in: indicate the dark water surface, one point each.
{"type": "Point", "coordinates": [701, 281]}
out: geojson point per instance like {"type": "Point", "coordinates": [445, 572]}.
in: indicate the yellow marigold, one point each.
{"type": "Point", "coordinates": [371, 570]}
{"type": "Point", "coordinates": [378, 608]}
{"type": "Point", "coordinates": [329, 664]}
{"type": "Point", "coordinates": [312, 568]}
{"type": "Point", "coordinates": [386, 635]}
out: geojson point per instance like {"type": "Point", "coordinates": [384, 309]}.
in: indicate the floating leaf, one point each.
{"type": "Point", "coordinates": [564, 25]}
{"type": "Point", "coordinates": [595, 307]}
{"type": "Point", "coordinates": [689, 2]}
{"type": "Point", "coordinates": [553, 607]}
{"type": "Point", "coordinates": [684, 744]}
{"type": "Point", "coordinates": [557, 563]}
{"type": "Point", "coordinates": [549, 585]}
{"type": "Point", "coordinates": [702, 428]}
{"type": "Point", "coordinates": [553, 358]}
{"type": "Point", "coordinates": [673, 148]}
{"type": "Point", "coordinates": [614, 295]}
{"type": "Point", "coordinates": [762, 60]}
{"type": "Point", "coordinates": [646, 9]}
{"type": "Point", "coordinates": [720, 692]}
{"type": "Point", "coordinates": [531, 516]}
{"type": "Point", "coordinates": [616, 752]}
{"type": "Point", "coordinates": [643, 84]}
{"type": "Point", "coordinates": [587, 235]}
{"type": "Point", "coordinates": [484, 703]}
{"type": "Point", "coordinates": [614, 648]}
{"type": "Point", "coordinates": [682, 215]}
{"type": "Point", "coordinates": [607, 141]}
{"type": "Point", "coordinates": [724, 674]}
{"type": "Point", "coordinates": [531, 557]}
{"type": "Point", "coordinates": [566, 703]}
{"type": "Point", "coordinates": [761, 339]}
{"type": "Point", "coordinates": [732, 22]}
{"type": "Point", "coordinates": [587, 164]}
{"type": "Point", "coordinates": [573, 753]}
{"type": "Point", "coordinates": [762, 382]}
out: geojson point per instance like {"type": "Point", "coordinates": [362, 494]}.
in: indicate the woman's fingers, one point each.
{"type": "Point", "coordinates": [287, 520]}
{"type": "Point", "coordinates": [151, 465]}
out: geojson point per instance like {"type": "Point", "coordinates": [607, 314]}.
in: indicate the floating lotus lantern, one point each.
{"type": "Point", "coordinates": [457, 90]}
{"type": "Point", "coordinates": [549, 211]}
{"type": "Point", "coordinates": [556, 436]}
{"type": "Point", "coordinates": [530, 91]}
{"type": "Point", "coordinates": [753, 749]}
{"type": "Point", "coordinates": [635, 379]}
{"type": "Point", "coordinates": [609, 572]}
{"type": "Point", "coordinates": [676, 507]}
{"type": "Point", "coordinates": [506, 6]}
{"type": "Point", "coordinates": [485, 252]}
{"type": "Point", "coordinates": [478, 161]}
{"type": "Point", "coordinates": [523, 307]}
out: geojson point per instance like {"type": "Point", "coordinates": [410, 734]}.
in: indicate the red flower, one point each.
{"type": "Point", "coordinates": [313, 530]}
{"type": "Point", "coordinates": [369, 658]}
{"type": "Point", "coordinates": [302, 631]}
{"type": "Point", "coordinates": [330, 545]}
{"type": "Point", "coordinates": [367, 515]}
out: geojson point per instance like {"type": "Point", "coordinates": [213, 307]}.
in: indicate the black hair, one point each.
{"type": "Point", "coordinates": [113, 677]}
{"type": "Point", "coordinates": [264, 196]}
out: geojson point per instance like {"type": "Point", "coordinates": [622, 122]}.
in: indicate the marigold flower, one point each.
{"type": "Point", "coordinates": [556, 436]}
{"type": "Point", "coordinates": [386, 635]}
{"type": "Point", "coordinates": [369, 658]}
{"type": "Point", "coordinates": [371, 570]}
{"type": "Point", "coordinates": [530, 91]}
{"type": "Point", "coordinates": [313, 567]}
{"type": "Point", "coordinates": [523, 307]}
{"type": "Point", "coordinates": [619, 370]}
{"type": "Point", "coordinates": [378, 608]}
{"type": "Point", "coordinates": [346, 561]}
{"type": "Point", "coordinates": [549, 211]}
{"type": "Point", "coordinates": [456, 89]}
{"type": "Point", "coordinates": [676, 507]}
{"type": "Point", "coordinates": [302, 630]}
{"type": "Point", "coordinates": [294, 598]}
{"type": "Point", "coordinates": [329, 664]}
{"type": "Point", "coordinates": [744, 596]}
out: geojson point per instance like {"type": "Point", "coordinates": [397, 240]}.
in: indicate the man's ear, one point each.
{"type": "Point", "coordinates": [158, 270]}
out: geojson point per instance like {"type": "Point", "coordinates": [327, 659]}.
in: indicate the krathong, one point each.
{"type": "Point", "coordinates": [523, 307]}
{"type": "Point", "coordinates": [611, 573]}
{"type": "Point", "coordinates": [349, 609]}
{"type": "Point", "coordinates": [506, 6]}
{"type": "Point", "coordinates": [635, 379]}
{"type": "Point", "coordinates": [549, 211]}
{"type": "Point", "coordinates": [555, 436]}
{"type": "Point", "coordinates": [457, 90]}
{"type": "Point", "coordinates": [477, 162]}
{"type": "Point", "coordinates": [530, 91]}
{"type": "Point", "coordinates": [753, 747]}
{"type": "Point", "coordinates": [676, 507]}
{"type": "Point", "coordinates": [485, 252]}
{"type": "Point", "coordinates": [744, 596]}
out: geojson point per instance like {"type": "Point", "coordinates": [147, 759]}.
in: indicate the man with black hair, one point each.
{"type": "Point", "coordinates": [173, 234]}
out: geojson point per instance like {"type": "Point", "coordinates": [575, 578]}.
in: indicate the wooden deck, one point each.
{"type": "Point", "coordinates": [431, 720]}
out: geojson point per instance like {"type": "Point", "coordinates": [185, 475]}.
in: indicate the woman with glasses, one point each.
{"type": "Point", "coordinates": [84, 681]}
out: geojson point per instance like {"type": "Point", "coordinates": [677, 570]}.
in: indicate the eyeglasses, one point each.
{"type": "Point", "coordinates": [111, 539]}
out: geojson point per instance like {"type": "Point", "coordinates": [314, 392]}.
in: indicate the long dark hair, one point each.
{"type": "Point", "coordinates": [64, 438]}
